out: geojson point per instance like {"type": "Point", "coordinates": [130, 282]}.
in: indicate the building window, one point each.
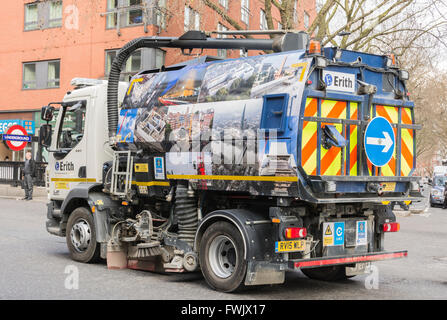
{"type": "Point", "coordinates": [128, 12]}
{"type": "Point", "coordinates": [140, 59]}
{"type": "Point", "coordinates": [43, 15]}
{"type": "Point", "coordinates": [221, 53]}
{"type": "Point", "coordinates": [245, 11]}
{"type": "Point", "coordinates": [53, 76]}
{"type": "Point", "coordinates": [41, 74]}
{"type": "Point", "coordinates": [224, 3]}
{"type": "Point", "coordinates": [31, 16]}
{"type": "Point", "coordinates": [55, 14]}
{"type": "Point", "coordinates": [262, 21]}
{"type": "Point", "coordinates": [306, 20]}
{"type": "Point", "coordinates": [192, 19]}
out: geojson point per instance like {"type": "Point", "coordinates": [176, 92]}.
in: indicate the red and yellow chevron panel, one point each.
{"type": "Point", "coordinates": [392, 115]}
{"type": "Point", "coordinates": [407, 143]}
{"type": "Point", "coordinates": [330, 159]}
{"type": "Point", "coordinates": [309, 138]}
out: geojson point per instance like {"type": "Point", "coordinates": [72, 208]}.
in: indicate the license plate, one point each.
{"type": "Point", "coordinates": [290, 246]}
{"type": "Point", "coordinates": [389, 186]}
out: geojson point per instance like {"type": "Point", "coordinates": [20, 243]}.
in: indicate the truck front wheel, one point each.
{"type": "Point", "coordinates": [221, 257]}
{"type": "Point", "coordinates": [332, 273]}
{"type": "Point", "coordinates": [81, 236]}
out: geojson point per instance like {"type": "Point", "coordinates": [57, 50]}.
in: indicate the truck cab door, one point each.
{"type": "Point", "coordinates": [67, 163]}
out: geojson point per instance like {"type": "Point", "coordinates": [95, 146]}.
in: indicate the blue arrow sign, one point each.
{"type": "Point", "coordinates": [379, 141]}
{"type": "Point", "coordinates": [14, 137]}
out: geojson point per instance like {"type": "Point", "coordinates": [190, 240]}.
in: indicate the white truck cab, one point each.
{"type": "Point", "coordinates": [77, 144]}
{"type": "Point", "coordinates": [78, 149]}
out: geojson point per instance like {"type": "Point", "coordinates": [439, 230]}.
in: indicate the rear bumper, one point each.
{"type": "Point", "coordinates": [436, 201]}
{"type": "Point", "coordinates": [332, 261]}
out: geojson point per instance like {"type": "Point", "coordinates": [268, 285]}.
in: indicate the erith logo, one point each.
{"type": "Point", "coordinates": [339, 81]}
{"type": "Point", "coordinates": [64, 166]}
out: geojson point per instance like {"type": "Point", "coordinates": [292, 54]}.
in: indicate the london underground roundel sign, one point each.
{"type": "Point", "coordinates": [16, 137]}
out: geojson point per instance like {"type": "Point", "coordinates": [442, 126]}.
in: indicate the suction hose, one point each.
{"type": "Point", "coordinates": [113, 83]}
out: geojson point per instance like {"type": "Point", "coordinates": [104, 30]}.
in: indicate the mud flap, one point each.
{"type": "Point", "coordinates": [264, 272]}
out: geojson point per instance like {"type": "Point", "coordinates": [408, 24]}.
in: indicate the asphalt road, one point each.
{"type": "Point", "coordinates": [33, 265]}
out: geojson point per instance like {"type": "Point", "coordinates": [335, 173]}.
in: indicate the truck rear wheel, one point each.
{"type": "Point", "coordinates": [332, 273]}
{"type": "Point", "coordinates": [221, 257]}
{"type": "Point", "coordinates": [81, 236]}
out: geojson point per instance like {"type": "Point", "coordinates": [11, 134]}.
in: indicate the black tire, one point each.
{"type": "Point", "coordinates": [215, 233]}
{"type": "Point", "coordinates": [91, 253]}
{"type": "Point", "coordinates": [331, 273]}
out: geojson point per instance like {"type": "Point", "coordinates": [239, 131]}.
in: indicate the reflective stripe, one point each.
{"type": "Point", "coordinates": [353, 140]}
{"type": "Point", "coordinates": [349, 260]}
{"type": "Point", "coordinates": [151, 183]}
{"type": "Point", "coordinates": [407, 144]}
{"type": "Point", "coordinates": [74, 179]}
{"type": "Point", "coordinates": [309, 138]}
{"type": "Point", "coordinates": [331, 158]}
{"type": "Point", "coordinates": [224, 177]}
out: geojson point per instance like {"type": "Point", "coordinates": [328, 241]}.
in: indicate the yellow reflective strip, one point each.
{"type": "Point", "coordinates": [246, 178]}
{"type": "Point", "coordinates": [408, 112]}
{"type": "Point", "coordinates": [352, 108]}
{"type": "Point", "coordinates": [386, 170]}
{"type": "Point", "coordinates": [309, 100]}
{"type": "Point", "coordinates": [74, 179]}
{"type": "Point", "coordinates": [405, 168]}
{"type": "Point", "coordinates": [408, 139]}
{"type": "Point", "coordinates": [311, 163]}
{"type": "Point", "coordinates": [326, 107]}
{"type": "Point", "coordinates": [333, 169]}
{"type": "Point", "coordinates": [353, 170]}
{"type": "Point", "coordinates": [151, 183]}
{"type": "Point", "coordinates": [308, 133]}
{"type": "Point", "coordinates": [353, 139]}
{"type": "Point", "coordinates": [393, 113]}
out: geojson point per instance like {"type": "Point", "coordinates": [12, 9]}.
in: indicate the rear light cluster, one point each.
{"type": "Point", "coordinates": [294, 233]}
{"type": "Point", "coordinates": [391, 227]}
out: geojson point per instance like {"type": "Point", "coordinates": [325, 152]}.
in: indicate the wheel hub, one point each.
{"type": "Point", "coordinates": [80, 235]}
{"type": "Point", "coordinates": [222, 256]}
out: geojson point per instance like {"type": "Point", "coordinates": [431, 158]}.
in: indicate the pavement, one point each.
{"type": "Point", "coordinates": [17, 193]}
{"type": "Point", "coordinates": [36, 265]}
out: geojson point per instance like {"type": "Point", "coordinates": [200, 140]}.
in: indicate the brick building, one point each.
{"type": "Point", "coordinates": [46, 43]}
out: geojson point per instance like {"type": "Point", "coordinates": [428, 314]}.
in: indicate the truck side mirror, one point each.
{"type": "Point", "coordinates": [45, 135]}
{"type": "Point", "coordinates": [47, 113]}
